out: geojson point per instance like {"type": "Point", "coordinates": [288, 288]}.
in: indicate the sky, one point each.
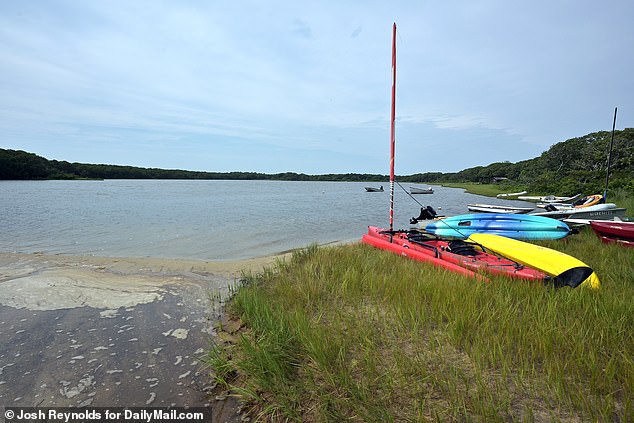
{"type": "Point", "coordinates": [305, 86]}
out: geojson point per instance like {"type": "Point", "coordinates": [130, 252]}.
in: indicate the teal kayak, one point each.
{"type": "Point", "coordinates": [526, 227]}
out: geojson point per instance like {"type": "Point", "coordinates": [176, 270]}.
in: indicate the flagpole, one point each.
{"type": "Point", "coordinates": [392, 141]}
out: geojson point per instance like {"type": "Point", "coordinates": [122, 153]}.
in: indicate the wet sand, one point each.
{"type": "Point", "coordinates": [111, 332]}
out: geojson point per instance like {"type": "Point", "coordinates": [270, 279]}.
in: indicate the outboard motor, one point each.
{"type": "Point", "coordinates": [426, 213]}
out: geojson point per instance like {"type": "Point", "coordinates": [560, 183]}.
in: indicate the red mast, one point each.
{"type": "Point", "coordinates": [392, 142]}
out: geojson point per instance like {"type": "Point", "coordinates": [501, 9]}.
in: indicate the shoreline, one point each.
{"type": "Point", "coordinates": [113, 331]}
{"type": "Point", "coordinates": [224, 267]}
{"type": "Point", "coordinates": [148, 264]}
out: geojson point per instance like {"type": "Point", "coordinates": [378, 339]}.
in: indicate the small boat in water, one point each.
{"type": "Point", "coordinates": [416, 190]}
{"type": "Point", "coordinates": [614, 232]}
{"type": "Point", "coordinates": [372, 189]}
{"type": "Point", "coordinates": [491, 208]}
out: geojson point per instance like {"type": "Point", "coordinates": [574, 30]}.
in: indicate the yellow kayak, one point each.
{"type": "Point", "coordinates": [566, 270]}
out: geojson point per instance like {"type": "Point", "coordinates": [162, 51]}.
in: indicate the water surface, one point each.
{"type": "Point", "coordinates": [205, 220]}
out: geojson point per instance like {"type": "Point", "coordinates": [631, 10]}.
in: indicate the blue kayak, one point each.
{"type": "Point", "coordinates": [514, 226]}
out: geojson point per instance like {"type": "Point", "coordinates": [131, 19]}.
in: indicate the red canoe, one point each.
{"type": "Point", "coordinates": [458, 256]}
{"type": "Point", "coordinates": [614, 231]}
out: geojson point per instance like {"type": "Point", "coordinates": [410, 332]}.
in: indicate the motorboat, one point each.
{"type": "Point", "coordinates": [417, 190]}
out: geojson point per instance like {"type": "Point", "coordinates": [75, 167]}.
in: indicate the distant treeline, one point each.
{"type": "Point", "coordinates": [577, 165]}
{"type": "Point", "coordinates": [20, 165]}
{"type": "Point", "coordinates": [569, 167]}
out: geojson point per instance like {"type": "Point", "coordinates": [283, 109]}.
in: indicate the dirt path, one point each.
{"type": "Point", "coordinates": [86, 331]}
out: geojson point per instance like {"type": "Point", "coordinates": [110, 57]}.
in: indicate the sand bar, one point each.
{"type": "Point", "coordinates": [95, 331]}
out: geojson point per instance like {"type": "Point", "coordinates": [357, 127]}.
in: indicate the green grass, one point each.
{"type": "Point", "coordinates": [488, 190]}
{"type": "Point", "coordinates": [355, 333]}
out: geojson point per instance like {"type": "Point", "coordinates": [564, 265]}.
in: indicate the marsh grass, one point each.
{"type": "Point", "coordinates": [355, 333]}
{"type": "Point", "coordinates": [489, 190]}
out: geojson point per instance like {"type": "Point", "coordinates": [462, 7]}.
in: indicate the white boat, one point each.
{"type": "Point", "coordinates": [607, 211]}
{"type": "Point", "coordinates": [573, 221]}
{"type": "Point", "coordinates": [511, 194]}
{"type": "Point", "coordinates": [544, 205]}
{"type": "Point", "coordinates": [373, 189]}
{"type": "Point", "coordinates": [490, 208]}
{"type": "Point", "coordinates": [589, 200]}
{"type": "Point", "coordinates": [416, 190]}
{"type": "Point", "coordinates": [548, 198]}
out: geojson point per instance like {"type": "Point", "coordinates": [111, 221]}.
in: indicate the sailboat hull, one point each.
{"type": "Point", "coordinates": [457, 256]}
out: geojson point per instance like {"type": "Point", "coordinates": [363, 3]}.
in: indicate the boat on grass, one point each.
{"type": "Point", "coordinates": [509, 225]}
{"type": "Point", "coordinates": [565, 269]}
{"type": "Point", "coordinates": [511, 194]}
{"type": "Point", "coordinates": [548, 198]}
{"type": "Point", "coordinates": [491, 208]}
{"type": "Point", "coordinates": [587, 201]}
{"type": "Point", "coordinates": [605, 211]}
{"type": "Point", "coordinates": [455, 255]}
{"type": "Point", "coordinates": [618, 232]}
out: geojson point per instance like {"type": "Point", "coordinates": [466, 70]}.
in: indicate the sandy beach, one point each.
{"type": "Point", "coordinates": [94, 331]}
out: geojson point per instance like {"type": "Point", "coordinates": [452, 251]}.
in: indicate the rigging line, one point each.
{"type": "Point", "coordinates": [407, 192]}
{"type": "Point", "coordinates": [451, 227]}
{"type": "Point", "coordinates": [420, 204]}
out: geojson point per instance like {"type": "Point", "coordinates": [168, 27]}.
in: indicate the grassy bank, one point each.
{"type": "Point", "coordinates": [488, 190]}
{"type": "Point", "coordinates": [355, 333]}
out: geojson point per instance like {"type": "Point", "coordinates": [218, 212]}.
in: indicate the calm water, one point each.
{"type": "Point", "coordinates": [206, 220]}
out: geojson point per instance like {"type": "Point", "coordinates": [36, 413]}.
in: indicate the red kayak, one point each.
{"type": "Point", "coordinates": [614, 231]}
{"type": "Point", "coordinates": [456, 255]}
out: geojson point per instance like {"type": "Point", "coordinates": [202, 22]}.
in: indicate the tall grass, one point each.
{"type": "Point", "coordinates": [355, 333]}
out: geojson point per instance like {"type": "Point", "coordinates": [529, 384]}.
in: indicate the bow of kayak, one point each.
{"type": "Point", "coordinates": [565, 269]}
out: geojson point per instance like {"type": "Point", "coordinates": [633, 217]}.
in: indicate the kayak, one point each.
{"type": "Point", "coordinates": [614, 232]}
{"type": "Point", "coordinates": [455, 255]}
{"type": "Point", "coordinates": [516, 226]}
{"type": "Point", "coordinates": [565, 270]}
